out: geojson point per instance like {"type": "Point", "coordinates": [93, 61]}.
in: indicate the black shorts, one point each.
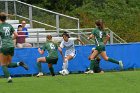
{"type": "Point", "coordinates": [51, 60]}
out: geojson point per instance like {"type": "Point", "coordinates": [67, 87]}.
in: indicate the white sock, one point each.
{"type": "Point", "coordinates": [18, 63]}
{"type": "Point", "coordinates": [65, 64]}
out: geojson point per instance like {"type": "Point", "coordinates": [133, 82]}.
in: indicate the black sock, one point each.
{"type": "Point", "coordinates": [52, 71]}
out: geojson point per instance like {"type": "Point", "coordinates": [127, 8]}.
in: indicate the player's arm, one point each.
{"type": "Point", "coordinates": [15, 35]}
{"type": "Point", "coordinates": [80, 41]}
{"type": "Point", "coordinates": [106, 39]}
{"type": "Point", "coordinates": [60, 50]}
{"type": "Point", "coordinates": [90, 37]}
{"type": "Point", "coordinates": [40, 51]}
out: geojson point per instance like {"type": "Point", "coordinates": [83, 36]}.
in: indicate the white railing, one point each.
{"type": "Point", "coordinates": [56, 21]}
{"type": "Point", "coordinates": [84, 32]}
{"type": "Point", "coordinates": [39, 15]}
{"type": "Point", "coordinates": [38, 37]}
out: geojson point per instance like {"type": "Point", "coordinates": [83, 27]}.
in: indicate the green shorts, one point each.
{"type": "Point", "coordinates": [51, 60]}
{"type": "Point", "coordinates": [7, 51]}
{"type": "Point", "coordinates": [100, 48]}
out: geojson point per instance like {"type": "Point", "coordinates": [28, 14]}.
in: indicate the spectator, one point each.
{"type": "Point", "coordinates": [23, 23]}
{"type": "Point", "coordinates": [20, 41]}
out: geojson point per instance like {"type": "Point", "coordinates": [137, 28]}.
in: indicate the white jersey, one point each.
{"type": "Point", "coordinates": [70, 50]}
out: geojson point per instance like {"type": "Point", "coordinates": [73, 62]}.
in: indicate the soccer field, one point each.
{"type": "Point", "coordinates": [110, 82]}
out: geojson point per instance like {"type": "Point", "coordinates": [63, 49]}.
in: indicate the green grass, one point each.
{"type": "Point", "coordinates": [110, 82]}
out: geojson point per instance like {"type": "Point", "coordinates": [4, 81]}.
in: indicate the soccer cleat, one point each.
{"type": "Point", "coordinates": [23, 65]}
{"type": "Point", "coordinates": [89, 72]}
{"type": "Point", "coordinates": [121, 64]}
{"type": "Point", "coordinates": [9, 80]}
{"type": "Point", "coordinates": [39, 74]}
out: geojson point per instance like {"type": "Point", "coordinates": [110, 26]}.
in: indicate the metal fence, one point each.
{"type": "Point", "coordinates": [85, 32]}
{"type": "Point", "coordinates": [51, 20]}
{"type": "Point", "coordinates": [39, 15]}
{"type": "Point", "coordinates": [38, 37]}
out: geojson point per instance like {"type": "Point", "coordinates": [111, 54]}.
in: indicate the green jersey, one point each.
{"type": "Point", "coordinates": [6, 31]}
{"type": "Point", "coordinates": [98, 35]}
{"type": "Point", "coordinates": [51, 47]}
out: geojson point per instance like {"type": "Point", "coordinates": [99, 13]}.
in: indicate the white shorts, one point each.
{"type": "Point", "coordinates": [71, 53]}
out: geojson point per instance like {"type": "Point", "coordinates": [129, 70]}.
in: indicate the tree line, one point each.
{"type": "Point", "coordinates": [121, 16]}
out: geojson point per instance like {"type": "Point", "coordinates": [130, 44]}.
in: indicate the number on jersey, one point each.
{"type": "Point", "coordinates": [101, 34]}
{"type": "Point", "coordinates": [7, 31]}
{"type": "Point", "coordinates": [52, 46]}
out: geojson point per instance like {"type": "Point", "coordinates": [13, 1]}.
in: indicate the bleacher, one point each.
{"type": "Point", "coordinates": [37, 35]}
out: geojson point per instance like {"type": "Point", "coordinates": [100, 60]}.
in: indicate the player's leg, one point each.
{"type": "Point", "coordinates": [39, 60]}
{"type": "Point", "coordinates": [10, 53]}
{"type": "Point", "coordinates": [105, 57]}
{"type": "Point", "coordinates": [92, 60]}
{"type": "Point", "coordinates": [50, 65]}
{"type": "Point", "coordinates": [68, 56]}
{"type": "Point", "coordinates": [4, 63]}
{"type": "Point", "coordinates": [65, 62]}
{"type": "Point", "coordinates": [97, 65]}
{"type": "Point", "coordinates": [50, 62]}
{"type": "Point", "coordinates": [16, 64]}
{"type": "Point", "coordinates": [97, 68]}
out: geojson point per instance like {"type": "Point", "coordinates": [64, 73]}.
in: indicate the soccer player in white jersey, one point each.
{"type": "Point", "coordinates": [70, 51]}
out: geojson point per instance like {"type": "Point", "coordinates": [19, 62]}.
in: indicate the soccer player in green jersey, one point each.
{"type": "Point", "coordinates": [98, 33]}
{"type": "Point", "coordinates": [52, 57]}
{"type": "Point", "coordinates": [7, 47]}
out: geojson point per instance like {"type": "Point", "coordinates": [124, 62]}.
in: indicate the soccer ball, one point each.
{"type": "Point", "coordinates": [64, 72]}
